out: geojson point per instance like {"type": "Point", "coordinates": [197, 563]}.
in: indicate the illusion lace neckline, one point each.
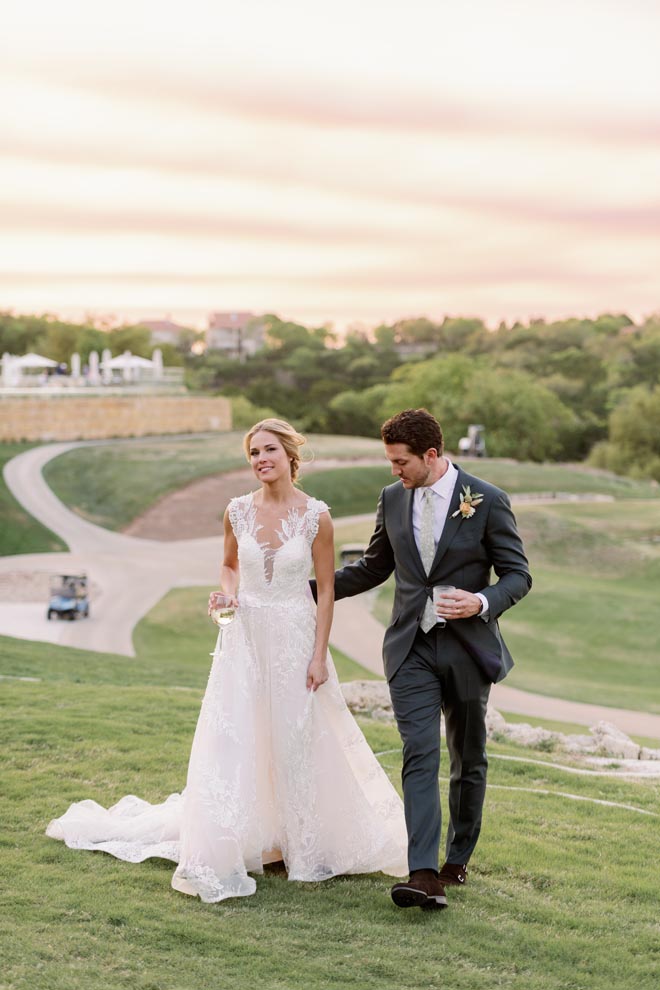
{"type": "Point", "coordinates": [290, 525]}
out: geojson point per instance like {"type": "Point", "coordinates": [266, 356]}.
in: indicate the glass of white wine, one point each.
{"type": "Point", "coordinates": [222, 611]}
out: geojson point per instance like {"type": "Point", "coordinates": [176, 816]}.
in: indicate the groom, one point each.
{"type": "Point", "coordinates": [438, 525]}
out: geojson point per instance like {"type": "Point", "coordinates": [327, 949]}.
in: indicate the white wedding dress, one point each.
{"type": "Point", "coordinates": [276, 772]}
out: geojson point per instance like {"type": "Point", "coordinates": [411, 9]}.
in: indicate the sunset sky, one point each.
{"type": "Point", "coordinates": [350, 162]}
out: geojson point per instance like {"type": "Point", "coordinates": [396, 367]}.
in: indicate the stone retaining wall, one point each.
{"type": "Point", "coordinates": [60, 417]}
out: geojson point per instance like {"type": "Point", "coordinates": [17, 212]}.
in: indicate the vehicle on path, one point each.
{"type": "Point", "coordinates": [474, 444]}
{"type": "Point", "coordinates": [68, 597]}
{"type": "Point", "coordinates": [350, 552]}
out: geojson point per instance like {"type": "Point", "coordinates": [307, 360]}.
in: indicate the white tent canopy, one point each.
{"type": "Point", "coordinates": [32, 360]}
{"type": "Point", "coordinates": [127, 360]}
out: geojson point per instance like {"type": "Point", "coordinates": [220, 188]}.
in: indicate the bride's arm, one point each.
{"type": "Point", "coordinates": [323, 554]}
{"type": "Point", "coordinates": [229, 570]}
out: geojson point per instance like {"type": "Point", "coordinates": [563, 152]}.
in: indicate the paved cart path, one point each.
{"type": "Point", "coordinates": [132, 574]}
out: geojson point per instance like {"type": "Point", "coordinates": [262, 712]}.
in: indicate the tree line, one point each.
{"type": "Point", "coordinates": [58, 339]}
{"type": "Point", "coordinates": [565, 390]}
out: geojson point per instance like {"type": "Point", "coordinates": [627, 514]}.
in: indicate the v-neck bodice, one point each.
{"type": "Point", "coordinates": [274, 573]}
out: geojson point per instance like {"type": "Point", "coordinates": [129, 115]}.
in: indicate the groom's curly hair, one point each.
{"type": "Point", "coordinates": [417, 428]}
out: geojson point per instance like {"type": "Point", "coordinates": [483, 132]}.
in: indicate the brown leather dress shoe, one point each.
{"type": "Point", "coordinates": [453, 874]}
{"type": "Point", "coordinates": [422, 890]}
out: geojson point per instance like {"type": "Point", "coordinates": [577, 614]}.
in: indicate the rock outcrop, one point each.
{"type": "Point", "coordinates": [372, 698]}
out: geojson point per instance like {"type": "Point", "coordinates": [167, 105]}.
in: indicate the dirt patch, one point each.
{"type": "Point", "coordinates": [191, 512]}
{"type": "Point", "coordinates": [196, 511]}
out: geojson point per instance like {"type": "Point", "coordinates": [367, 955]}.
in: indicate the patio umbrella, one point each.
{"type": "Point", "coordinates": [32, 360]}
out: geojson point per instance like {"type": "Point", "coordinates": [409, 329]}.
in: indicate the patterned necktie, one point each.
{"type": "Point", "coordinates": [427, 552]}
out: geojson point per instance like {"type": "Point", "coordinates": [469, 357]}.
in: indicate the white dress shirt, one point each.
{"type": "Point", "coordinates": [443, 489]}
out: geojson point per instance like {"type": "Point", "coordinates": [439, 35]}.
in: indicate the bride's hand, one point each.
{"type": "Point", "coordinates": [317, 674]}
{"type": "Point", "coordinates": [213, 600]}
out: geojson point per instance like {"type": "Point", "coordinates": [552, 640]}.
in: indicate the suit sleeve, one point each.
{"type": "Point", "coordinates": [508, 559]}
{"type": "Point", "coordinates": [374, 567]}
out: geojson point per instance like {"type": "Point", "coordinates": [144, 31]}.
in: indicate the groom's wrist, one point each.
{"type": "Point", "coordinates": [483, 613]}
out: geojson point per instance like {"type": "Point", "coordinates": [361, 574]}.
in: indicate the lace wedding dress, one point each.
{"type": "Point", "coordinates": [276, 772]}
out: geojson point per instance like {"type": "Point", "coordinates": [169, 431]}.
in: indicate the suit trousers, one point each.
{"type": "Point", "coordinates": [438, 675]}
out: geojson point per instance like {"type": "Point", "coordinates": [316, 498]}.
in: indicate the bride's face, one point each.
{"type": "Point", "coordinates": [270, 461]}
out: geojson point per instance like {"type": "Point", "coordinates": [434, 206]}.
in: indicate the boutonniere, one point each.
{"type": "Point", "coordinates": [469, 502]}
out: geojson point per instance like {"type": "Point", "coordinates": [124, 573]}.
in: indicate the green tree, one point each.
{"type": "Point", "coordinates": [523, 418]}
{"type": "Point", "coordinates": [59, 341]}
{"type": "Point", "coordinates": [360, 413]}
{"type": "Point", "coordinates": [90, 339]}
{"type": "Point", "coordinates": [135, 339]}
{"type": "Point", "coordinates": [172, 356]}
{"type": "Point", "coordinates": [20, 334]}
{"type": "Point", "coordinates": [633, 446]}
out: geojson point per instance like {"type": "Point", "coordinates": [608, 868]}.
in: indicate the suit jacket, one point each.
{"type": "Point", "coordinates": [468, 550]}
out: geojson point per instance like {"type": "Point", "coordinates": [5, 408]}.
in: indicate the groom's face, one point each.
{"type": "Point", "coordinates": [413, 471]}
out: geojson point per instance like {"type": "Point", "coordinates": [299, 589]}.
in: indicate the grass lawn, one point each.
{"type": "Point", "coordinates": [19, 532]}
{"type": "Point", "coordinates": [348, 491]}
{"type": "Point", "coordinates": [556, 898]}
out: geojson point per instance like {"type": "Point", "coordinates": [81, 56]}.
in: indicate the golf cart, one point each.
{"type": "Point", "coordinates": [68, 597]}
{"type": "Point", "coordinates": [474, 444]}
{"type": "Point", "coordinates": [350, 552]}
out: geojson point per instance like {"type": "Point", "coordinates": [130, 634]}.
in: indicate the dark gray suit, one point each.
{"type": "Point", "coordinates": [448, 669]}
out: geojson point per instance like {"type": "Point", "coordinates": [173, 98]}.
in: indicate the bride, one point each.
{"type": "Point", "coordinates": [279, 769]}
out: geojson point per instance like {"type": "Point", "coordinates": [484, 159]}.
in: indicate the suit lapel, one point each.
{"type": "Point", "coordinates": [452, 525]}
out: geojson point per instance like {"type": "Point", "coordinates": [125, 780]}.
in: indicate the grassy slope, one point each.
{"type": "Point", "coordinates": [556, 899]}
{"type": "Point", "coordinates": [83, 921]}
{"type": "Point", "coordinates": [19, 532]}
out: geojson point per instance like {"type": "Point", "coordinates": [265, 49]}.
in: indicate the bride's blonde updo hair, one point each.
{"type": "Point", "coordinates": [291, 440]}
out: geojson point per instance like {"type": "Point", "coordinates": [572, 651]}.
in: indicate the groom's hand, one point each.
{"type": "Point", "coordinates": [459, 604]}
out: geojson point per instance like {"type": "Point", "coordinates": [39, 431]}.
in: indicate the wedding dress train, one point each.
{"type": "Point", "coordinates": [275, 772]}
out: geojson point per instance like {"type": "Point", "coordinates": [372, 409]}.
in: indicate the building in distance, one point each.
{"type": "Point", "coordinates": [165, 331]}
{"type": "Point", "coordinates": [237, 335]}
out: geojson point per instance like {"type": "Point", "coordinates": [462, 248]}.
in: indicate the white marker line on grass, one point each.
{"type": "Point", "coordinates": [580, 771]}
{"type": "Point", "coordinates": [546, 793]}
{"type": "Point", "coordinates": [623, 772]}
{"type": "Point", "coordinates": [573, 797]}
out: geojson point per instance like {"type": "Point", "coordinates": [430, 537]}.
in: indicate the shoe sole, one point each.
{"type": "Point", "coordinates": [408, 897]}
